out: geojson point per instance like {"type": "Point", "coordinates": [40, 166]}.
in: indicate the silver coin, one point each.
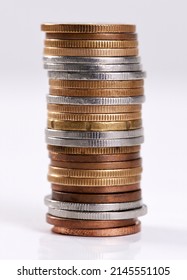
{"type": "Point", "coordinates": [101, 76]}
{"type": "Point", "coordinates": [101, 207]}
{"type": "Point", "coordinates": [94, 134]}
{"type": "Point", "coordinates": [95, 100]}
{"type": "Point", "coordinates": [70, 67]}
{"type": "Point", "coordinates": [129, 214]}
{"type": "Point", "coordinates": [95, 142]}
{"type": "Point", "coordinates": [91, 60]}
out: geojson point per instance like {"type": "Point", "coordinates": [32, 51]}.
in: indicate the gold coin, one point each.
{"type": "Point", "coordinates": [80, 173]}
{"type": "Point", "coordinates": [94, 151]}
{"type": "Point", "coordinates": [92, 36]}
{"type": "Point", "coordinates": [90, 44]}
{"type": "Point", "coordinates": [90, 52]}
{"type": "Point", "coordinates": [94, 126]}
{"type": "Point", "coordinates": [96, 84]}
{"type": "Point", "coordinates": [95, 182]}
{"type": "Point", "coordinates": [93, 117]}
{"type": "Point", "coordinates": [58, 91]}
{"type": "Point", "coordinates": [91, 109]}
{"type": "Point", "coordinates": [87, 28]}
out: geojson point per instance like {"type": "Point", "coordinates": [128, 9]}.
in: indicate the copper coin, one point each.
{"type": "Point", "coordinates": [92, 36]}
{"type": "Point", "coordinates": [95, 198]}
{"type": "Point", "coordinates": [98, 165]}
{"type": "Point", "coordinates": [118, 231]}
{"type": "Point", "coordinates": [88, 224]}
{"type": "Point", "coordinates": [98, 190]}
{"type": "Point", "coordinates": [96, 84]}
{"type": "Point", "coordinates": [93, 158]}
{"type": "Point", "coordinates": [96, 92]}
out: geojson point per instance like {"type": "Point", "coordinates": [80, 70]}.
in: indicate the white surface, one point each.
{"type": "Point", "coordinates": [163, 43]}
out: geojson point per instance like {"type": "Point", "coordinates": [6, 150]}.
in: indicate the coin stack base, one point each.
{"type": "Point", "coordinates": [94, 129]}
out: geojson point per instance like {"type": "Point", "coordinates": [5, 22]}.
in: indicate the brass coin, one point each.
{"type": "Point", "coordinates": [90, 44]}
{"type": "Point", "coordinates": [96, 189]}
{"type": "Point", "coordinates": [96, 84]}
{"type": "Point", "coordinates": [92, 36]}
{"type": "Point", "coordinates": [98, 165]}
{"type": "Point", "coordinates": [89, 52]}
{"type": "Point", "coordinates": [95, 198]}
{"type": "Point", "coordinates": [92, 158]}
{"type": "Point", "coordinates": [93, 117]}
{"type": "Point", "coordinates": [58, 91]}
{"type": "Point", "coordinates": [94, 173]}
{"type": "Point", "coordinates": [94, 126]}
{"type": "Point", "coordinates": [93, 181]}
{"type": "Point", "coordinates": [95, 151]}
{"type": "Point", "coordinates": [118, 231]}
{"type": "Point", "coordinates": [87, 28]}
{"type": "Point", "coordinates": [92, 109]}
{"type": "Point", "coordinates": [87, 224]}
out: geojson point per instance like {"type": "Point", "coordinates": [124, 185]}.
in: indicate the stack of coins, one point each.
{"type": "Point", "coordinates": [94, 129]}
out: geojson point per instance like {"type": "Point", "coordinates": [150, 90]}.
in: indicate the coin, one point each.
{"type": "Point", "coordinates": [98, 165]}
{"type": "Point", "coordinates": [92, 36]}
{"type": "Point", "coordinates": [82, 68]}
{"type": "Point", "coordinates": [95, 134]}
{"type": "Point", "coordinates": [97, 189]}
{"type": "Point", "coordinates": [93, 44]}
{"type": "Point", "coordinates": [96, 92]}
{"type": "Point", "coordinates": [91, 60]}
{"type": "Point", "coordinates": [96, 75]}
{"type": "Point", "coordinates": [87, 224]}
{"type": "Point", "coordinates": [96, 84]}
{"type": "Point", "coordinates": [87, 28]}
{"type": "Point", "coordinates": [103, 182]}
{"type": "Point", "coordinates": [117, 231]}
{"type": "Point", "coordinates": [94, 126]}
{"type": "Point", "coordinates": [94, 151]}
{"type": "Point", "coordinates": [71, 206]}
{"type": "Point", "coordinates": [93, 158]}
{"type": "Point", "coordinates": [89, 52]}
{"type": "Point", "coordinates": [95, 100]}
{"type": "Point", "coordinates": [86, 173]}
{"type": "Point", "coordinates": [92, 109]}
{"type": "Point", "coordinates": [95, 198]}
{"type": "Point", "coordinates": [130, 214]}
{"type": "Point", "coordinates": [97, 143]}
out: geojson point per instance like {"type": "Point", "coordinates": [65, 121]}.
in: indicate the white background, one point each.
{"type": "Point", "coordinates": [162, 30]}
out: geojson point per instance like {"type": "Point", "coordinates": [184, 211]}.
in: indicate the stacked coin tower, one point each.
{"type": "Point", "coordinates": [94, 129]}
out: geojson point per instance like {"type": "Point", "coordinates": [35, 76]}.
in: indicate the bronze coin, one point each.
{"type": "Point", "coordinates": [95, 198]}
{"type": "Point", "coordinates": [98, 165]}
{"type": "Point", "coordinates": [98, 190]}
{"type": "Point", "coordinates": [118, 231]}
{"type": "Point", "coordinates": [88, 224]}
{"type": "Point", "coordinates": [93, 158]}
{"type": "Point", "coordinates": [92, 36]}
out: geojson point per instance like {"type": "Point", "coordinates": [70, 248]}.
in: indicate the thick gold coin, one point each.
{"type": "Point", "coordinates": [93, 117]}
{"type": "Point", "coordinates": [94, 126]}
{"type": "Point", "coordinates": [94, 151]}
{"type": "Point", "coordinates": [93, 181]}
{"type": "Point", "coordinates": [86, 173]}
{"type": "Point", "coordinates": [92, 109]}
{"type": "Point", "coordinates": [90, 52]}
{"type": "Point", "coordinates": [87, 28]}
{"type": "Point", "coordinates": [93, 44]}
{"type": "Point", "coordinates": [96, 92]}
{"type": "Point", "coordinates": [92, 36]}
{"type": "Point", "coordinates": [96, 84]}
